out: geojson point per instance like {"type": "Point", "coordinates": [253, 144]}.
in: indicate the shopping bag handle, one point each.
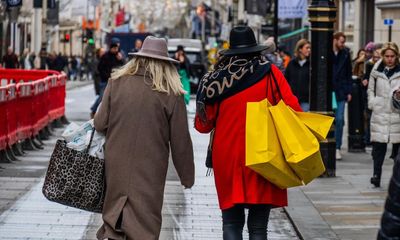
{"type": "Point", "coordinates": [91, 139]}
{"type": "Point", "coordinates": [277, 87]}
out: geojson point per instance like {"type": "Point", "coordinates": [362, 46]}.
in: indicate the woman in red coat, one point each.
{"type": "Point", "coordinates": [242, 75]}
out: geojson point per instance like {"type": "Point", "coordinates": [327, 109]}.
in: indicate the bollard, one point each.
{"type": "Point", "coordinates": [355, 118]}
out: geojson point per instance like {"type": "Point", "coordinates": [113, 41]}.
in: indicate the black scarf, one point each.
{"type": "Point", "coordinates": [231, 75]}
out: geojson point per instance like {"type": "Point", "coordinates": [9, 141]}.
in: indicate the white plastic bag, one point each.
{"type": "Point", "coordinates": [74, 132]}
{"type": "Point", "coordinates": [78, 138]}
{"type": "Point", "coordinates": [96, 148]}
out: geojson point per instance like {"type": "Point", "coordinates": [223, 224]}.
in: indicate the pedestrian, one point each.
{"type": "Point", "coordinates": [143, 115]}
{"type": "Point", "coordinates": [385, 121]}
{"type": "Point", "coordinates": [390, 223]}
{"type": "Point", "coordinates": [242, 75]}
{"type": "Point", "coordinates": [10, 60]}
{"type": "Point", "coordinates": [51, 61]}
{"type": "Point", "coordinates": [342, 85]}
{"type": "Point", "coordinates": [59, 62]}
{"type": "Point", "coordinates": [285, 56]}
{"type": "Point", "coordinates": [369, 50]}
{"type": "Point", "coordinates": [116, 41]}
{"type": "Point", "coordinates": [297, 73]}
{"type": "Point", "coordinates": [96, 74]}
{"type": "Point", "coordinates": [138, 46]}
{"type": "Point", "coordinates": [184, 71]}
{"type": "Point", "coordinates": [24, 61]}
{"type": "Point", "coordinates": [73, 68]}
{"type": "Point", "coordinates": [110, 60]}
{"type": "Point", "coordinates": [43, 59]}
{"type": "Point", "coordinates": [376, 55]}
{"type": "Point", "coordinates": [271, 54]}
{"type": "Point", "coordinates": [359, 64]}
{"type": "Point", "coordinates": [32, 58]}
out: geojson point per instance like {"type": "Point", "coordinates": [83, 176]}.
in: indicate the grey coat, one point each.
{"type": "Point", "coordinates": [141, 126]}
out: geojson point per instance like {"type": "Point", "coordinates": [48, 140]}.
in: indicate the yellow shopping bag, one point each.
{"type": "Point", "coordinates": [300, 146]}
{"type": "Point", "coordinates": [319, 124]}
{"type": "Point", "coordinates": [263, 151]}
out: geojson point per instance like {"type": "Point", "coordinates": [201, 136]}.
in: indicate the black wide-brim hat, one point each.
{"type": "Point", "coordinates": [242, 41]}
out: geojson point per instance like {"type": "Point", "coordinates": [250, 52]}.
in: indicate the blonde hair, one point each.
{"type": "Point", "coordinates": [299, 45]}
{"type": "Point", "coordinates": [390, 46]}
{"type": "Point", "coordinates": [164, 75]}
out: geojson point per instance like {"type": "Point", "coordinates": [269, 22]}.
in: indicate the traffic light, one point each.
{"type": "Point", "coordinates": [67, 37]}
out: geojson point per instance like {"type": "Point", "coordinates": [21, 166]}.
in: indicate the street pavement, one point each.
{"type": "Point", "coordinates": [191, 214]}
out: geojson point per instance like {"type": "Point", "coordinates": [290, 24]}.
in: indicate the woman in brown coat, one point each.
{"type": "Point", "coordinates": [143, 115]}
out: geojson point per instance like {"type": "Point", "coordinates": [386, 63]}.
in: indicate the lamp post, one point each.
{"type": "Point", "coordinates": [322, 15]}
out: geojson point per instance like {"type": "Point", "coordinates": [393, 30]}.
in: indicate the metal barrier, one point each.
{"type": "Point", "coordinates": [3, 118]}
{"type": "Point", "coordinates": [29, 101]}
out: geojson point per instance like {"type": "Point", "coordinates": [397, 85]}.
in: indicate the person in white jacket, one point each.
{"type": "Point", "coordinates": [385, 120]}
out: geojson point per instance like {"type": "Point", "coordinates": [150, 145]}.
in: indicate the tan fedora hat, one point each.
{"type": "Point", "coordinates": [154, 48]}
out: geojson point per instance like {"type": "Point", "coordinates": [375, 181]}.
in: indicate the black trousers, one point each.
{"type": "Point", "coordinates": [257, 222]}
{"type": "Point", "coordinates": [378, 155]}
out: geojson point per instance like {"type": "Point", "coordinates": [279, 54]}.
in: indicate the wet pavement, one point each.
{"type": "Point", "coordinates": [187, 214]}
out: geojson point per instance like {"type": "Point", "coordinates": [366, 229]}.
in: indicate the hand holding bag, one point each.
{"type": "Point", "coordinates": [75, 179]}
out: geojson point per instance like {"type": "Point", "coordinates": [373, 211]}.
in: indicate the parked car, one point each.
{"type": "Point", "coordinates": [197, 56]}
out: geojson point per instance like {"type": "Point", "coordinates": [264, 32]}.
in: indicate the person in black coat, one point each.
{"type": "Point", "coordinates": [298, 73]}
{"type": "Point", "coordinates": [10, 60]}
{"type": "Point", "coordinates": [390, 222]}
{"type": "Point", "coordinates": [342, 84]}
{"type": "Point", "coordinates": [110, 60]}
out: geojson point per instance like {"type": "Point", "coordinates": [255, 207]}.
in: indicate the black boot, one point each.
{"type": "Point", "coordinates": [376, 181]}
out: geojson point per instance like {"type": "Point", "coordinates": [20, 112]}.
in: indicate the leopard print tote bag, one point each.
{"type": "Point", "coordinates": [75, 179]}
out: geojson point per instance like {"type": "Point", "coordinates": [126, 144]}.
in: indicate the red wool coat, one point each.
{"type": "Point", "coordinates": [235, 183]}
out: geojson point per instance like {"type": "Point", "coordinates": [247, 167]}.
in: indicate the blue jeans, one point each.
{"type": "Point", "coordinates": [305, 106]}
{"type": "Point", "coordinates": [102, 87]}
{"type": "Point", "coordinates": [339, 123]}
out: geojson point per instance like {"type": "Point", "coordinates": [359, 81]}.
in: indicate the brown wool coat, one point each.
{"type": "Point", "coordinates": [141, 125]}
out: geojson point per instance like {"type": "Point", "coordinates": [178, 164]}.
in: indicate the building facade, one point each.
{"type": "Point", "coordinates": [363, 21]}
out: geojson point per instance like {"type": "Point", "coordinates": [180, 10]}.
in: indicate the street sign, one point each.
{"type": "Point", "coordinates": [388, 21]}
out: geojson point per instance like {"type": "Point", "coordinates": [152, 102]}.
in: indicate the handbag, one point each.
{"type": "Point", "coordinates": [75, 178]}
